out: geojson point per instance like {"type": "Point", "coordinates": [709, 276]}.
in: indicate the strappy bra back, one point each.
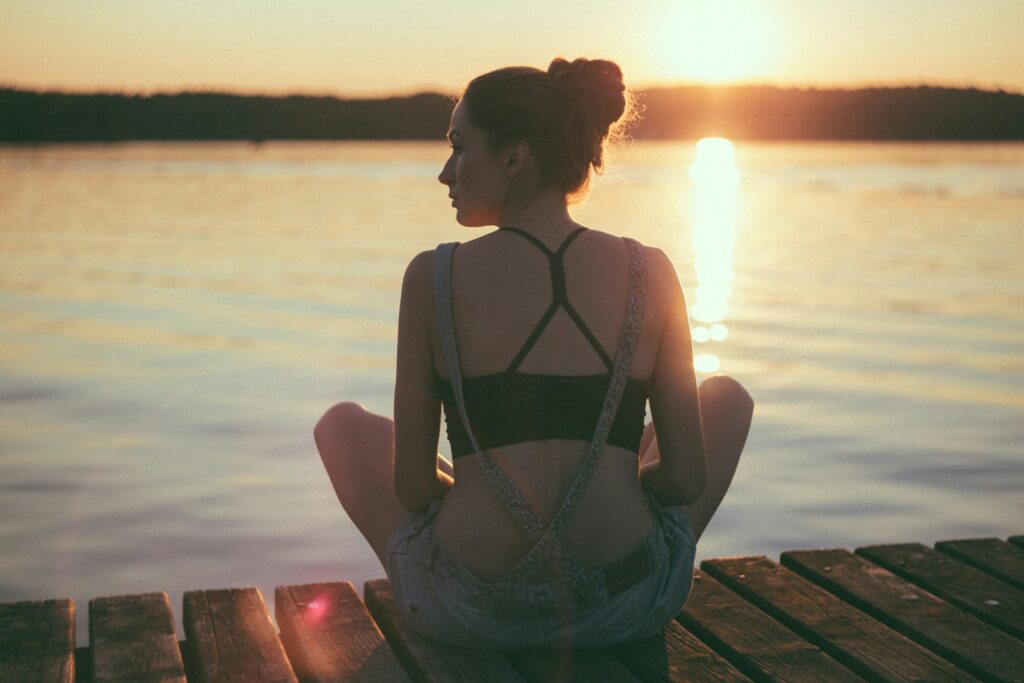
{"type": "Point", "coordinates": [514, 407]}
{"type": "Point", "coordinates": [561, 299]}
{"type": "Point", "coordinates": [547, 546]}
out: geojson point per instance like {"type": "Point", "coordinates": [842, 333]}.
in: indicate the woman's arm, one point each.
{"type": "Point", "coordinates": [679, 475]}
{"type": "Point", "coordinates": [417, 402]}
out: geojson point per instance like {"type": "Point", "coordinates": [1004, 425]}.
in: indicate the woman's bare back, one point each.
{"type": "Point", "coordinates": [501, 288]}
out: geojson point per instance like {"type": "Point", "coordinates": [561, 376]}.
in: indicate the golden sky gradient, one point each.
{"type": "Point", "coordinates": [364, 47]}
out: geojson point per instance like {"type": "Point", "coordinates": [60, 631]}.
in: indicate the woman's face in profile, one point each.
{"type": "Point", "coordinates": [476, 178]}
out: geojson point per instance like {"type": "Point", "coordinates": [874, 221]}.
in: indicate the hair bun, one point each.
{"type": "Point", "coordinates": [593, 85]}
{"type": "Point", "coordinates": [564, 114]}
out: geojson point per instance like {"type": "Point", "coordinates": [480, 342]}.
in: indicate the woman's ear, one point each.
{"type": "Point", "coordinates": [514, 157]}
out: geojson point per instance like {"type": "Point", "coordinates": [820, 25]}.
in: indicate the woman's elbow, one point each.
{"type": "Point", "coordinates": [412, 494]}
{"type": "Point", "coordinates": [408, 496]}
{"type": "Point", "coordinates": [690, 490]}
{"type": "Point", "coordinates": [688, 483]}
{"type": "Point", "coordinates": [674, 486]}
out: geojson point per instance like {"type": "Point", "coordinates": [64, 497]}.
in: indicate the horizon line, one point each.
{"type": "Point", "coordinates": [429, 90]}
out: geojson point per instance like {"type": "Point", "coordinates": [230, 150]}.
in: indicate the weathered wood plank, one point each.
{"type": "Point", "coordinates": [992, 556]}
{"type": "Point", "coordinates": [570, 666]}
{"type": "Point", "coordinates": [868, 647]}
{"type": "Point", "coordinates": [132, 639]}
{"type": "Point", "coordinates": [975, 591]}
{"type": "Point", "coordinates": [37, 641]}
{"type": "Point", "coordinates": [752, 641]}
{"type": "Point", "coordinates": [233, 638]}
{"type": "Point", "coordinates": [330, 637]}
{"type": "Point", "coordinates": [676, 656]}
{"type": "Point", "coordinates": [960, 637]}
{"type": "Point", "coordinates": [428, 661]}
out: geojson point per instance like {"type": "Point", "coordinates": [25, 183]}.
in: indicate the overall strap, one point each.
{"type": "Point", "coordinates": [631, 328]}
{"type": "Point", "coordinates": [547, 545]}
{"type": "Point", "coordinates": [506, 490]}
{"type": "Point", "coordinates": [510, 496]}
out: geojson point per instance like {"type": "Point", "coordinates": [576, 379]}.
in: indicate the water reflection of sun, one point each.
{"type": "Point", "coordinates": [715, 180]}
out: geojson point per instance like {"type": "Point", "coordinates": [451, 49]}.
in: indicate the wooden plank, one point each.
{"type": "Point", "coordinates": [425, 660]}
{"type": "Point", "coordinates": [677, 655]}
{"type": "Point", "coordinates": [330, 637]}
{"type": "Point", "coordinates": [870, 648]}
{"type": "Point", "coordinates": [992, 556]}
{"type": "Point", "coordinates": [570, 666]}
{"type": "Point", "coordinates": [752, 641]}
{"type": "Point", "coordinates": [133, 640]}
{"type": "Point", "coordinates": [37, 641]}
{"type": "Point", "coordinates": [960, 637]}
{"type": "Point", "coordinates": [232, 637]}
{"type": "Point", "coordinates": [975, 591]}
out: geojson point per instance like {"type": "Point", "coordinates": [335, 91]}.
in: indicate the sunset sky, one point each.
{"type": "Point", "coordinates": [364, 47]}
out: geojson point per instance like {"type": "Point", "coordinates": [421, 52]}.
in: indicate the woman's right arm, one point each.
{"type": "Point", "coordinates": [679, 475]}
{"type": "Point", "coordinates": [417, 401]}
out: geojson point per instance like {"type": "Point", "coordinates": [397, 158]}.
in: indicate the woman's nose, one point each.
{"type": "Point", "coordinates": [445, 176]}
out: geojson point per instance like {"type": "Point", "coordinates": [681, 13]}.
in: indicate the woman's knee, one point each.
{"type": "Point", "coordinates": [722, 391]}
{"type": "Point", "coordinates": [348, 424]}
{"type": "Point", "coordinates": [335, 421]}
{"type": "Point", "coordinates": [337, 417]}
{"type": "Point", "coordinates": [354, 444]}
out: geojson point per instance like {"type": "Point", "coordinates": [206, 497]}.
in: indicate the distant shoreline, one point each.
{"type": "Point", "coordinates": [923, 113]}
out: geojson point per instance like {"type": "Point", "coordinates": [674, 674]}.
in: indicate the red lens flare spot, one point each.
{"type": "Point", "coordinates": [316, 609]}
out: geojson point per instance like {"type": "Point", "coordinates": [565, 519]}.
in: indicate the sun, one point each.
{"type": "Point", "coordinates": [714, 41]}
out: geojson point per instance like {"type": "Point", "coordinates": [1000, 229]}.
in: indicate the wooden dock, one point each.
{"type": "Point", "coordinates": [903, 612]}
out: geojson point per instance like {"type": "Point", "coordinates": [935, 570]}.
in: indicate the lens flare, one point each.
{"type": "Point", "coordinates": [316, 609]}
{"type": "Point", "coordinates": [706, 362]}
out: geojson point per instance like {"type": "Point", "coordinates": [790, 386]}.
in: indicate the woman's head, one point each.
{"type": "Point", "coordinates": [563, 116]}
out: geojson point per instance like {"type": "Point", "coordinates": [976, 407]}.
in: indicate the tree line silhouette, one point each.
{"type": "Point", "coordinates": [737, 112]}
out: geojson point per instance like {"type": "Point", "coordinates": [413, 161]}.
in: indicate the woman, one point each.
{"type": "Point", "coordinates": [564, 522]}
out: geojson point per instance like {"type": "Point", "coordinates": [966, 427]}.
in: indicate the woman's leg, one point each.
{"type": "Point", "coordinates": [358, 450]}
{"type": "Point", "coordinates": [725, 411]}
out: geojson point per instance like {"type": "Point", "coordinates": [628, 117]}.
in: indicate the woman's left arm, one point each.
{"type": "Point", "coordinates": [417, 401]}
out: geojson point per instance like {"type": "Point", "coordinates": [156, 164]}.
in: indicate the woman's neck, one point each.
{"type": "Point", "coordinates": [544, 213]}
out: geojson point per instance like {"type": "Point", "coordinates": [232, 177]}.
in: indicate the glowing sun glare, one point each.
{"type": "Point", "coordinates": [715, 41]}
{"type": "Point", "coordinates": [715, 182]}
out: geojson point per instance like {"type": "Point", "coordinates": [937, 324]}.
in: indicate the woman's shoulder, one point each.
{"type": "Point", "coordinates": [420, 266]}
{"type": "Point", "coordinates": [660, 269]}
{"type": "Point", "coordinates": [659, 265]}
{"type": "Point", "coordinates": [418, 279]}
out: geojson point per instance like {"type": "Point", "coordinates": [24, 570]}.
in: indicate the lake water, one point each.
{"type": "Point", "coordinates": [175, 317]}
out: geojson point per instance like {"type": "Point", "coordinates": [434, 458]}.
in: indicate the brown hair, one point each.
{"type": "Point", "coordinates": [564, 115]}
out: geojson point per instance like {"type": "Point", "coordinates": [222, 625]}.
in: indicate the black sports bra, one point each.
{"type": "Point", "coordinates": [513, 407]}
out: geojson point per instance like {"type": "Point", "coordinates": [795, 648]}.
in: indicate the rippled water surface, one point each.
{"type": "Point", "coordinates": [175, 317]}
